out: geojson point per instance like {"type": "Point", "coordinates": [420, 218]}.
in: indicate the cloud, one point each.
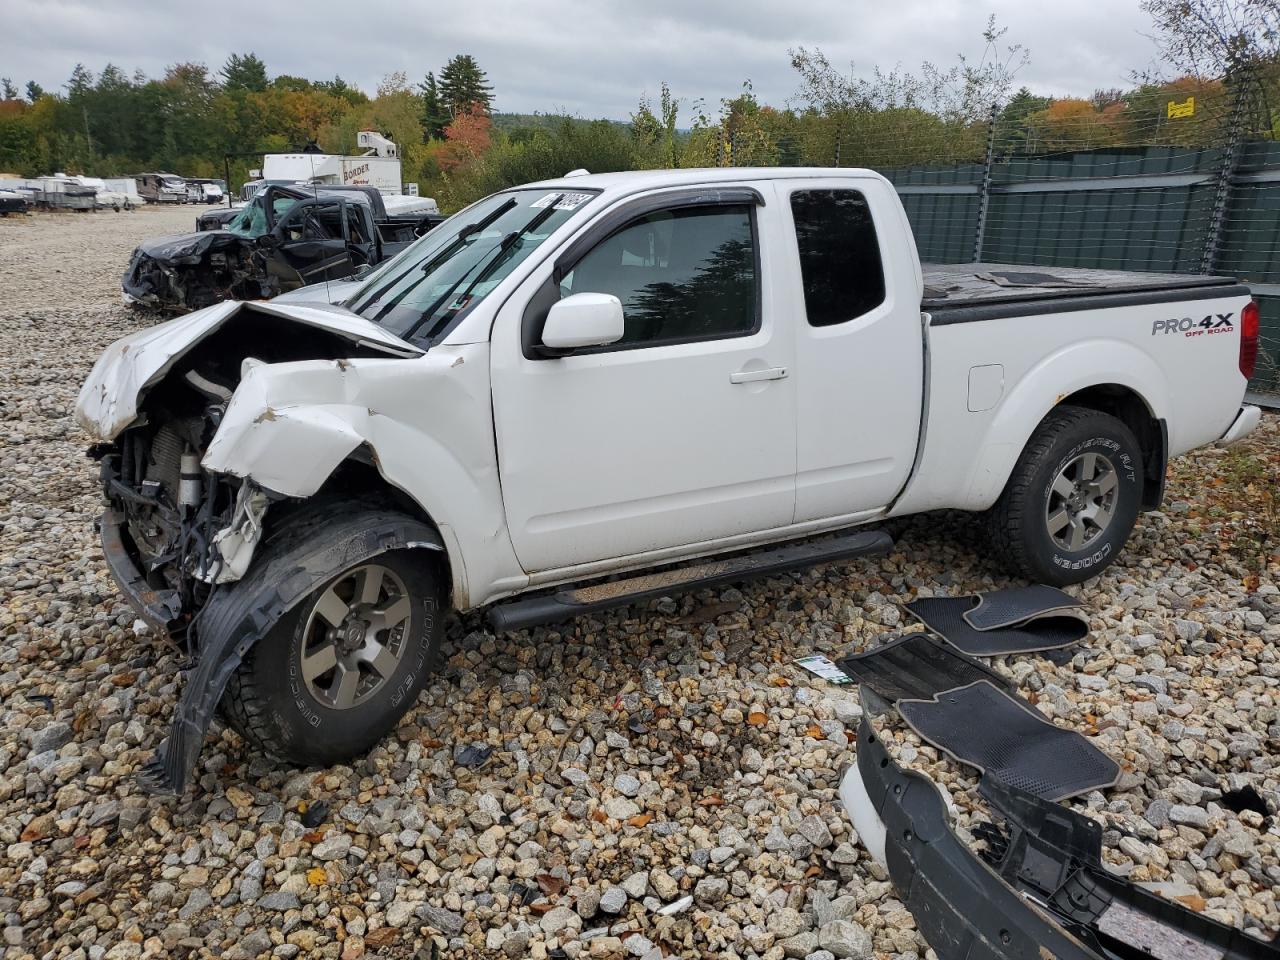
{"type": "Point", "coordinates": [589, 57]}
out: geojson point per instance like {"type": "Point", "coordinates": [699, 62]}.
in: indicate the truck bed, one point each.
{"type": "Point", "coordinates": [969, 292]}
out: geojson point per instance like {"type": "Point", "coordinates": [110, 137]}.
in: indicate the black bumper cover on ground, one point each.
{"type": "Point", "coordinates": [1048, 896]}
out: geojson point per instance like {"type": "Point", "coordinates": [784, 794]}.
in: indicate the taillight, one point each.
{"type": "Point", "coordinates": [1249, 339]}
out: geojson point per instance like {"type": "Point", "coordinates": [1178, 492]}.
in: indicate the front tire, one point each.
{"type": "Point", "coordinates": [336, 673]}
{"type": "Point", "coordinates": [1072, 499]}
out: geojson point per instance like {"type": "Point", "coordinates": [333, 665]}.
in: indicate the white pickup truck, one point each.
{"type": "Point", "coordinates": [618, 374]}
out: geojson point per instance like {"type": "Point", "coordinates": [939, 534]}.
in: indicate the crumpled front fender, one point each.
{"type": "Point", "coordinates": [283, 430]}
{"type": "Point", "coordinates": [426, 423]}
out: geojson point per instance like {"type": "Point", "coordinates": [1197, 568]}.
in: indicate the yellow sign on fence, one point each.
{"type": "Point", "coordinates": [1187, 108]}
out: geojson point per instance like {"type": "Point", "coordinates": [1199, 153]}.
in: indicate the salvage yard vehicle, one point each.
{"type": "Point", "coordinates": [600, 375]}
{"type": "Point", "coordinates": [162, 187]}
{"type": "Point", "coordinates": [11, 201]}
{"type": "Point", "coordinates": [285, 238]}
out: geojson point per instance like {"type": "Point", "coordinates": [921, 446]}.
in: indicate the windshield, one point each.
{"type": "Point", "coordinates": [251, 221]}
{"type": "Point", "coordinates": [452, 268]}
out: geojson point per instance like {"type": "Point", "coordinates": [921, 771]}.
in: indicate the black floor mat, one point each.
{"type": "Point", "coordinates": [1018, 605]}
{"type": "Point", "coordinates": [1004, 736]}
{"type": "Point", "coordinates": [945, 617]}
{"type": "Point", "coordinates": [916, 666]}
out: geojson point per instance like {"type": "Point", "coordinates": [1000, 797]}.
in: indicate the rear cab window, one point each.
{"type": "Point", "coordinates": [840, 263]}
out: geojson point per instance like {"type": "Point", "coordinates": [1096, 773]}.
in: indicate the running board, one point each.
{"type": "Point", "coordinates": [572, 602]}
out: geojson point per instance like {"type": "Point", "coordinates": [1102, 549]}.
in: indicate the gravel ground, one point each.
{"type": "Point", "coordinates": [637, 758]}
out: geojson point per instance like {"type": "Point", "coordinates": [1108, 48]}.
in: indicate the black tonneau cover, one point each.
{"type": "Point", "coordinates": [968, 292]}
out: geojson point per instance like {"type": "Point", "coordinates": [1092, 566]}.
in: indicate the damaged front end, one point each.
{"type": "Point", "coordinates": [1037, 891]}
{"type": "Point", "coordinates": [179, 533]}
{"type": "Point", "coordinates": [171, 531]}
{"type": "Point", "coordinates": [196, 270]}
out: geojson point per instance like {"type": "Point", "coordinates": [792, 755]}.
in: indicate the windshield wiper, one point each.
{"type": "Point", "coordinates": [445, 253]}
{"type": "Point", "coordinates": [465, 232]}
{"type": "Point", "coordinates": [491, 261]}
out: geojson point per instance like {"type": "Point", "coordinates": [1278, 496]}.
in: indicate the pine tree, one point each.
{"type": "Point", "coordinates": [463, 86]}
{"type": "Point", "coordinates": [434, 116]}
{"type": "Point", "coordinates": [81, 82]}
{"type": "Point", "coordinates": [244, 72]}
{"type": "Point", "coordinates": [34, 91]}
{"type": "Point", "coordinates": [7, 90]}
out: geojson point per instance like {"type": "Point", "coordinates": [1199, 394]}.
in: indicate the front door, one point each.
{"type": "Point", "coordinates": [682, 432]}
{"type": "Point", "coordinates": [311, 244]}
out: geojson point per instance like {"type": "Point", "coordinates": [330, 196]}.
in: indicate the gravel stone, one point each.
{"type": "Point", "coordinates": [613, 900]}
{"type": "Point", "coordinates": [627, 785]}
{"type": "Point", "coordinates": [845, 939]}
{"type": "Point", "coordinates": [280, 901]}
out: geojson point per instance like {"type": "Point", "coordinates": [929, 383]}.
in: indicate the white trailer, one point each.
{"type": "Point", "coordinates": [378, 166]}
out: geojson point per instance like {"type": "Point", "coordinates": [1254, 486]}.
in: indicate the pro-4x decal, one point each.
{"type": "Point", "coordinates": [1191, 327]}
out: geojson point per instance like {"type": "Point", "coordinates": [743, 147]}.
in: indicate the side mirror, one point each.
{"type": "Point", "coordinates": [584, 320]}
{"type": "Point", "coordinates": [266, 241]}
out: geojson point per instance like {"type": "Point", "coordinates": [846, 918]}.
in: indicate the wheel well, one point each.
{"type": "Point", "coordinates": [1129, 408]}
{"type": "Point", "coordinates": [357, 481]}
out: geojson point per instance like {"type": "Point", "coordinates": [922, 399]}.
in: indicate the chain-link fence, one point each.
{"type": "Point", "coordinates": [1152, 181]}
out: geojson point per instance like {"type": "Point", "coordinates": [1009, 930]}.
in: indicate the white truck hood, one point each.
{"type": "Point", "coordinates": [109, 399]}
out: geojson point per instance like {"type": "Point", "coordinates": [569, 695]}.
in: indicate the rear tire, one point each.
{"type": "Point", "coordinates": [1072, 499]}
{"type": "Point", "coordinates": [334, 675]}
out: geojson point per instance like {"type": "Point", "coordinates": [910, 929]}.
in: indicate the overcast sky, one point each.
{"type": "Point", "coordinates": [588, 57]}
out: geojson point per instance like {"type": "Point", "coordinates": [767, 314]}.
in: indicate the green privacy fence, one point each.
{"type": "Point", "coordinates": [1174, 209]}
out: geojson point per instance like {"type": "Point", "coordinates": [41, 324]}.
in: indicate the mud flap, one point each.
{"type": "Point", "coordinates": [237, 616]}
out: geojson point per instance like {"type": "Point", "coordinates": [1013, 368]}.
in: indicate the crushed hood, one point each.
{"type": "Point", "coordinates": [110, 397]}
{"type": "Point", "coordinates": [188, 247]}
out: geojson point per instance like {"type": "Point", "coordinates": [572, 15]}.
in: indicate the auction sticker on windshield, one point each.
{"type": "Point", "coordinates": [567, 201]}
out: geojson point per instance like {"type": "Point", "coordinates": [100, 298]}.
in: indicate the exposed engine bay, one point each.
{"type": "Point", "coordinates": [194, 271]}
{"type": "Point", "coordinates": [179, 528]}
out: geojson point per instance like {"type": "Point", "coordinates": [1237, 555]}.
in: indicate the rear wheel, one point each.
{"type": "Point", "coordinates": [337, 672]}
{"type": "Point", "coordinates": [1072, 499]}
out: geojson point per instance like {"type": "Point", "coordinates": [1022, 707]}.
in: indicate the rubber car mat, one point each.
{"type": "Point", "coordinates": [915, 666]}
{"type": "Point", "coordinates": [945, 617]}
{"type": "Point", "coordinates": [1017, 605]}
{"type": "Point", "coordinates": [1004, 736]}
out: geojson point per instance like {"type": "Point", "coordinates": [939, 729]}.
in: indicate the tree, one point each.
{"type": "Point", "coordinates": [80, 83]}
{"type": "Point", "coordinates": [1013, 132]}
{"type": "Point", "coordinates": [7, 90]}
{"type": "Point", "coordinates": [337, 87]}
{"type": "Point", "coordinates": [963, 92]}
{"type": "Point", "coordinates": [1214, 38]}
{"type": "Point", "coordinates": [434, 116]}
{"type": "Point", "coordinates": [468, 136]}
{"type": "Point", "coordinates": [34, 91]}
{"type": "Point", "coordinates": [291, 83]}
{"type": "Point", "coordinates": [463, 85]}
{"type": "Point", "coordinates": [244, 72]}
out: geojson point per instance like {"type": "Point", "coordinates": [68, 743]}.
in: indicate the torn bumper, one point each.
{"type": "Point", "coordinates": [159, 609]}
{"type": "Point", "coordinates": [1245, 423]}
{"type": "Point", "coordinates": [963, 909]}
{"type": "Point", "coordinates": [1038, 891]}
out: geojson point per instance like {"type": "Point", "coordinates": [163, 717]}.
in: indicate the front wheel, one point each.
{"type": "Point", "coordinates": [337, 672]}
{"type": "Point", "coordinates": [1072, 499]}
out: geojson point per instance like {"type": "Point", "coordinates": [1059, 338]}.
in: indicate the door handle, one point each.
{"type": "Point", "coordinates": [752, 376]}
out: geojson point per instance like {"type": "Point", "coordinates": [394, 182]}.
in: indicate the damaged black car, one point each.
{"type": "Point", "coordinates": [287, 237]}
